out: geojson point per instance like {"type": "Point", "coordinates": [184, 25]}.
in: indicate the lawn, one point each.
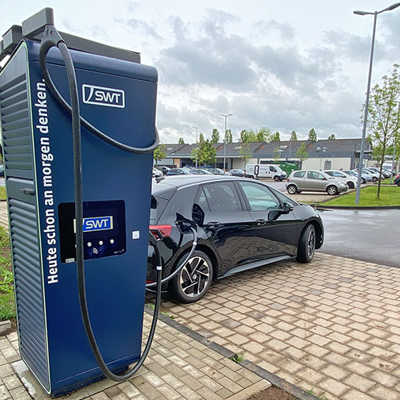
{"type": "Point", "coordinates": [390, 196]}
{"type": "Point", "coordinates": [7, 305]}
{"type": "Point", "coordinates": [3, 195]}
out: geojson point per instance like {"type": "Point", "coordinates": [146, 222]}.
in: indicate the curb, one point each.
{"type": "Point", "coordinates": [275, 380]}
{"type": "Point", "coordinates": [5, 327]}
{"type": "Point", "coordinates": [319, 206]}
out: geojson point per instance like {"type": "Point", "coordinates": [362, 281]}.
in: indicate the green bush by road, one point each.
{"type": "Point", "coordinates": [390, 196]}
{"type": "Point", "coordinates": [3, 194]}
{"type": "Point", "coordinates": [7, 305]}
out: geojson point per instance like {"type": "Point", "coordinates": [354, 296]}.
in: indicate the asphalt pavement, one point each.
{"type": "Point", "coordinates": [368, 235]}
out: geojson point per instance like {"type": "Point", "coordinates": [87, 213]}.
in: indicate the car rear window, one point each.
{"type": "Point", "coordinates": [222, 196]}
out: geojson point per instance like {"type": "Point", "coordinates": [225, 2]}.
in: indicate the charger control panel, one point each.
{"type": "Point", "coordinates": [103, 229]}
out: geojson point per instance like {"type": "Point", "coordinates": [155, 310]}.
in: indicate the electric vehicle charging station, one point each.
{"type": "Point", "coordinates": [78, 205]}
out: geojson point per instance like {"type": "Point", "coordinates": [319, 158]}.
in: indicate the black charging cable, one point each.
{"type": "Point", "coordinates": [51, 38]}
{"type": "Point", "coordinates": [181, 265]}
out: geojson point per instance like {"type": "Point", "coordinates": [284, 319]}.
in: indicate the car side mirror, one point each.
{"type": "Point", "coordinates": [274, 214]}
{"type": "Point", "coordinates": [286, 208]}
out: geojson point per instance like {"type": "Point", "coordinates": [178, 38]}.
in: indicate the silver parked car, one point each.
{"type": "Point", "coordinates": [350, 180]}
{"type": "Point", "coordinates": [314, 181]}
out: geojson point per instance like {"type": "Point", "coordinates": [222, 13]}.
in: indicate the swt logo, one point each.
{"type": "Point", "coordinates": [91, 224]}
{"type": "Point", "coordinates": [103, 96]}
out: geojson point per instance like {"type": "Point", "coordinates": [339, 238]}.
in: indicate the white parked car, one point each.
{"type": "Point", "coordinates": [351, 181]}
{"type": "Point", "coordinates": [266, 171]}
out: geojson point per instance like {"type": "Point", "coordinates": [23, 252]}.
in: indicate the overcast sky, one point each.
{"type": "Point", "coordinates": [284, 65]}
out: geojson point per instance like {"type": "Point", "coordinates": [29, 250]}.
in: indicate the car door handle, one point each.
{"type": "Point", "coordinates": [261, 221]}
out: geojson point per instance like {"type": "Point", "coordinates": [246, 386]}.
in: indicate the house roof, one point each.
{"type": "Point", "coordinates": [325, 148]}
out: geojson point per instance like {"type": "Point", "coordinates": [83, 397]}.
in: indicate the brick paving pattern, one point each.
{"type": "Point", "coordinates": [331, 326]}
{"type": "Point", "coordinates": [178, 367]}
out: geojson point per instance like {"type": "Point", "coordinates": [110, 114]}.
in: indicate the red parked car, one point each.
{"type": "Point", "coordinates": [397, 180]}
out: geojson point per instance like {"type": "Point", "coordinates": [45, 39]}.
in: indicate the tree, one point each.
{"type": "Point", "coordinates": [245, 152]}
{"type": "Point", "coordinates": [312, 135]}
{"type": "Point", "coordinates": [181, 141]}
{"type": "Point", "coordinates": [384, 116]}
{"type": "Point", "coordinates": [160, 152]}
{"type": "Point", "coordinates": [201, 138]}
{"type": "Point", "coordinates": [204, 153]}
{"type": "Point", "coordinates": [215, 136]}
{"type": "Point", "coordinates": [332, 137]}
{"type": "Point", "coordinates": [276, 137]}
{"type": "Point", "coordinates": [302, 152]}
{"type": "Point", "coordinates": [293, 136]}
{"type": "Point", "coordinates": [264, 135]}
{"type": "Point", "coordinates": [228, 136]}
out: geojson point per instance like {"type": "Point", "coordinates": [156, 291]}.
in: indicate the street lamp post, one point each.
{"type": "Point", "coordinates": [197, 134]}
{"type": "Point", "coordinates": [361, 160]}
{"type": "Point", "coordinates": [226, 116]}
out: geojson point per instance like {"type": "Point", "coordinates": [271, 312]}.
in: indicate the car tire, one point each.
{"type": "Point", "coordinates": [350, 185]}
{"type": "Point", "coordinates": [306, 248]}
{"type": "Point", "coordinates": [332, 190]}
{"type": "Point", "coordinates": [374, 179]}
{"type": "Point", "coordinates": [197, 274]}
{"type": "Point", "coordinates": [291, 189]}
{"type": "Point", "coordinates": [276, 178]}
{"type": "Point", "coordinates": [363, 181]}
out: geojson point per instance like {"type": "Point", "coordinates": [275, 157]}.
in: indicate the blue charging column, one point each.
{"type": "Point", "coordinates": [119, 98]}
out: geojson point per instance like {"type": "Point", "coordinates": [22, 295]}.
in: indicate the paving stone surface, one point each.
{"type": "Point", "coordinates": [331, 326]}
{"type": "Point", "coordinates": [177, 367]}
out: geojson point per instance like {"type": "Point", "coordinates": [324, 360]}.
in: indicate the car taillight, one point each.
{"type": "Point", "coordinates": [160, 231]}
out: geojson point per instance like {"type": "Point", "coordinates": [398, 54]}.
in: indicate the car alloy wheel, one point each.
{"type": "Point", "coordinates": [291, 189]}
{"type": "Point", "coordinates": [194, 277]}
{"type": "Point", "coordinates": [332, 190]}
{"type": "Point", "coordinates": [310, 248]}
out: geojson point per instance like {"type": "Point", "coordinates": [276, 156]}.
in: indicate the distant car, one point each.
{"type": "Point", "coordinates": [177, 171]}
{"type": "Point", "coordinates": [162, 168]}
{"type": "Point", "coordinates": [375, 175]}
{"type": "Point", "coordinates": [350, 180]}
{"type": "Point", "coordinates": [215, 171]}
{"type": "Point", "coordinates": [2, 170]}
{"type": "Point", "coordinates": [314, 181]}
{"type": "Point", "coordinates": [157, 173]}
{"type": "Point", "coordinates": [240, 172]}
{"type": "Point", "coordinates": [196, 171]}
{"type": "Point", "coordinates": [397, 180]}
{"type": "Point", "coordinates": [364, 177]}
{"type": "Point", "coordinates": [266, 171]}
{"type": "Point", "coordinates": [385, 173]}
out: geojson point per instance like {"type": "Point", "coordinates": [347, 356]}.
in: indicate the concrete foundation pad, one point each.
{"type": "Point", "coordinates": [38, 393]}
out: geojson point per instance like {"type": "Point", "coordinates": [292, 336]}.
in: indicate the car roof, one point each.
{"type": "Point", "coordinates": [170, 182]}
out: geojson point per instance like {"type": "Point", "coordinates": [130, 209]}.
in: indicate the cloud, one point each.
{"type": "Point", "coordinates": [285, 30]}
{"type": "Point", "coordinates": [210, 68]}
{"type": "Point", "coordinates": [354, 47]}
{"type": "Point", "coordinates": [138, 25]}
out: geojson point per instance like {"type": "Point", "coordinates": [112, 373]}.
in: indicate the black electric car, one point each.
{"type": "Point", "coordinates": [241, 224]}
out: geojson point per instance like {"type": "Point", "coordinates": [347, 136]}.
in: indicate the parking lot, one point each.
{"type": "Point", "coordinates": [330, 326]}
{"type": "Point", "coordinates": [369, 235]}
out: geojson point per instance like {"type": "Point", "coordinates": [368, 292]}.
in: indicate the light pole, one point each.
{"type": "Point", "coordinates": [361, 160]}
{"type": "Point", "coordinates": [197, 134]}
{"type": "Point", "coordinates": [226, 116]}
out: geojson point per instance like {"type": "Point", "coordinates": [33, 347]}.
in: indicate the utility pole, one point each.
{"type": "Point", "coordinates": [361, 160]}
